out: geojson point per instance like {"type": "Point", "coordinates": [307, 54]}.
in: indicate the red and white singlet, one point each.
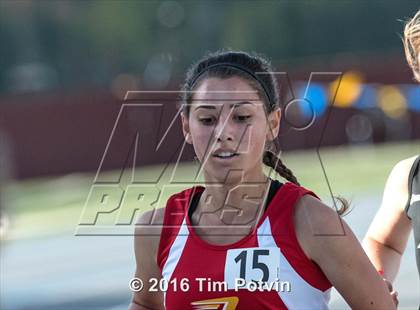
{"type": "Point", "coordinates": [201, 275]}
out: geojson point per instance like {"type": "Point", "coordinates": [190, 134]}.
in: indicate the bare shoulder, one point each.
{"type": "Point", "coordinates": [406, 163]}
{"type": "Point", "coordinates": [320, 217]}
{"type": "Point", "coordinates": [148, 229]}
{"type": "Point", "coordinates": [396, 188]}
{"type": "Point", "coordinates": [314, 222]}
{"type": "Point", "coordinates": [147, 232]}
{"type": "Point", "coordinates": [152, 217]}
{"type": "Point", "coordinates": [402, 169]}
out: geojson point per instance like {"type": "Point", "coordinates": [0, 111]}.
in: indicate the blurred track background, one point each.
{"type": "Point", "coordinates": [65, 68]}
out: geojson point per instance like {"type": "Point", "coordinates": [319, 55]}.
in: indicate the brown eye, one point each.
{"type": "Point", "coordinates": [206, 120]}
{"type": "Point", "coordinates": [243, 118]}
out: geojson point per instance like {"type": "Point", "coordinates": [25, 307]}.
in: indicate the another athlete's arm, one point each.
{"type": "Point", "coordinates": [329, 242]}
{"type": "Point", "coordinates": [387, 236]}
{"type": "Point", "coordinates": [146, 242]}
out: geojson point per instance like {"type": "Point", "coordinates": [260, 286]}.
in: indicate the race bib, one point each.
{"type": "Point", "coordinates": [247, 265]}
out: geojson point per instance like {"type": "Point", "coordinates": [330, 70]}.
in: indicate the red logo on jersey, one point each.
{"type": "Point", "coordinates": [223, 303]}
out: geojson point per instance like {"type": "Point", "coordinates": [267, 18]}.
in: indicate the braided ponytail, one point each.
{"type": "Point", "coordinates": [272, 160]}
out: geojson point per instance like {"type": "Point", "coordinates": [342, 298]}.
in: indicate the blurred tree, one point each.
{"type": "Point", "coordinates": [87, 43]}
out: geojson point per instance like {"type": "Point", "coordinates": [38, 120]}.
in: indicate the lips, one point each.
{"type": "Point", "coordinates": [225, 156]}
{"type": "Point", "coordinates": [225, 153]}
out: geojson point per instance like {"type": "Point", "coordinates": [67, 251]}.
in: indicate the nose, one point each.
{"type": "Point", "coordinates": [223, 130]}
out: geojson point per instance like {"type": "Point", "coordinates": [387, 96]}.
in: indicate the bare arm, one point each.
{"type": "Point", "coordinates": [387, 236]}
{"type": "Point", "coordinates": [146, 242]}
{"type": "Point", "coordinates": [330, 243]}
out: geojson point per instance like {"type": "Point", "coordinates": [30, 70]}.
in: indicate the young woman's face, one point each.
{"type": "Point", "coordinates": [228, 128]}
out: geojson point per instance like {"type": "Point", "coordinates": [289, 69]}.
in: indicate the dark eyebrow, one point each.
{"type": "Point", "coordinates": [205, 107]}
{"type": "Point", "coordinates": [237, 104]}
{"type": "Point", "coordinates": [232, 105]}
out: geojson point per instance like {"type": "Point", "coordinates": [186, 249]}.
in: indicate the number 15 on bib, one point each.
{"type": "Point", "coordinates": [260, 265]}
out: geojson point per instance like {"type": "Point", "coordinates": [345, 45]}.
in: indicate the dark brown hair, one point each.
{"type": "Point", "coordinates": [257, 70]}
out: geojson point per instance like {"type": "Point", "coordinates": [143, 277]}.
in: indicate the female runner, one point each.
{"type": "Point", "coordinates": [246, 241]}
{"type": "Point", "coordinates": [388, 234]}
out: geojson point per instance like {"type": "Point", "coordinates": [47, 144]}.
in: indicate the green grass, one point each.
{"type": "Point", "coordinates": [47, 206]}
{"type": "Point", "coordinates": [358, 170]}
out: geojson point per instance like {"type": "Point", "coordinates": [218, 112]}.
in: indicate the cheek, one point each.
{"type": "Point", "coordinates": [201, 137]}
{"type": "Point", "coordinates": [254, 138]}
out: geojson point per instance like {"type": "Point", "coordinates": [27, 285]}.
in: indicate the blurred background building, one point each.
{"type": "Point", "coordinates": [65, 67]}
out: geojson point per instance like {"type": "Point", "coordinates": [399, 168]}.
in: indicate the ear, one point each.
{"type": "Point", "coordinates": [273, 124]}
{"type": "Point", "coordinates": [186, 128]}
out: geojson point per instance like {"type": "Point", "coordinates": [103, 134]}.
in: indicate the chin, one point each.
{"type": "Point", "coordinates": [225, 177]}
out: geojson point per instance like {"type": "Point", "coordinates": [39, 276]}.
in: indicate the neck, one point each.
{"type": "Point", "coordinates": [239, 194]}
